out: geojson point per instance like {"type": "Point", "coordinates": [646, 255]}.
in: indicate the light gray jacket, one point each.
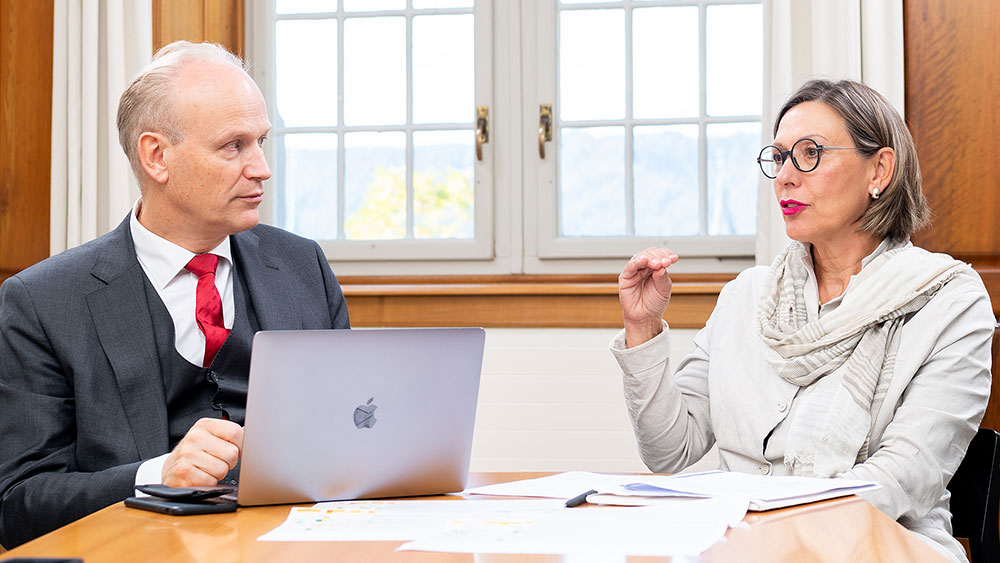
{"type": "Point", "coordinates": [726, 392]}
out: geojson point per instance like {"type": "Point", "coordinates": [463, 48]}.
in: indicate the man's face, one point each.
{"type": "Point", "coordinates": [216, 173]}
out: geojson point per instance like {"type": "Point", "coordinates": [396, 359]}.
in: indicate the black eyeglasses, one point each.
{"type": "Point", "coordinates": [805, 155]}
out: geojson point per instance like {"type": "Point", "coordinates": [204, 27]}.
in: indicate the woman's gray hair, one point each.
{"type": "Point", "coordinates": [147, 103]}
{"type": "Point", "coordinates": [873, 124]}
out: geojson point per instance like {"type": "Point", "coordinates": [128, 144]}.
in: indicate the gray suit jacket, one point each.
{"type": "Point", "coordinates": [82, 402]}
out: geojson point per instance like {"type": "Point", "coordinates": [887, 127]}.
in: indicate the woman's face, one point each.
{"type": "Point", "coordinates": [823, 206]}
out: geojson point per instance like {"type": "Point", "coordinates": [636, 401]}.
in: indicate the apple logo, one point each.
{"type": "Point", "coordinates": [364, 415]}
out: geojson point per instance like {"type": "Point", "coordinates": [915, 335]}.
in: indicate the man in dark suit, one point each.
{"type": "Point", "coordinates": [126, 360]}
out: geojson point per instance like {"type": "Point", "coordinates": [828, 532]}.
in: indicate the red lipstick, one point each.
{"type": "Point", "coordinates": [791, 207]}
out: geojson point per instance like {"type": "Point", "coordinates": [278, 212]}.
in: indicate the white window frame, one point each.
{"type": "Point", "coordinates": [548, 252]}
{"type": "Point", "coordinates": [261, 20]}
{"type": "Point", "coordinates": [515, 72]}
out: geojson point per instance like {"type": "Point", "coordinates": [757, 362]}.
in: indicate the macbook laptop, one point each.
{"type": "Point", "coordinates": [360, 413]}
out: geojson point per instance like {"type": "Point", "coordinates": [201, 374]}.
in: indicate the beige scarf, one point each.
{"type": "Point", "coordinates": [830, 431]}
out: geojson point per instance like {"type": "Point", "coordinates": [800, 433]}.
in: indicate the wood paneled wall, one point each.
{"type": "Point", "coordinates": [219, 21]}
{"type": "Point", "coordinates": [952, 70]}
{"type": "Point", "coordinates": [953, 109]}
{"type": "Point", "coordinates": [517, 301]}
{"type": "Point", "coordinates": [26, 107]}
{"type": "Point", "coordinates": [25, 133]}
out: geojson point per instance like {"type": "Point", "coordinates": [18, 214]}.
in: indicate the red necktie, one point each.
{"type": "Point", "coordinates": [208, 304]}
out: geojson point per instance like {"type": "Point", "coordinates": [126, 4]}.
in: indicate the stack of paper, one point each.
{"type": "Point", "coordinates": [689, 514]}
{"type": "Point", "coordinates": [763, 492]}
{"type": "Point", "coordinates": [685, 527]}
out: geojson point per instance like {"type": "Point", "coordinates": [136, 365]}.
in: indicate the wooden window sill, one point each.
{"type": "Point", "coordinates": [516, 301]}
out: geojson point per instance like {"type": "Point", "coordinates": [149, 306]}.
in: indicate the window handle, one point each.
{"type": "Point", "coordinates": [544, 127]}
{"type": "Point", "coordinates": [482, 129]}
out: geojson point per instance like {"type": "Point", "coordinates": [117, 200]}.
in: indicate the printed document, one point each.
{"type": "Point", "coordinates": [546, 526]}
{"type": "Point", "coordinates": [763, 492]}
{"type": "Point", "coordinates": [687, 527]}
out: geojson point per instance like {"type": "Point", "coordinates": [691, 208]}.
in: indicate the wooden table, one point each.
{"type": "Point", "coordinates": [847, 529]}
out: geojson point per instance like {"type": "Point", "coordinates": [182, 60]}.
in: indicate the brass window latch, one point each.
{"type": "Point", "coordinates": [482, 129]}
{"type": "Point", "coordinates": [544, 127]}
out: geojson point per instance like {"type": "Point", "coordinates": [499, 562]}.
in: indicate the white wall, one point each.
{"type": "Point", "coordinates": [551, 400]}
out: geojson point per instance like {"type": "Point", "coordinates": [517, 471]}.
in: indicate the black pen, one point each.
{"type": "Point", "coordinates": [580, 499]}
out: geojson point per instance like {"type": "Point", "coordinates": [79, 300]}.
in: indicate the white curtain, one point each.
{"type": "Point", "coordinates": [98, 47]}
{"type": "Point", "coordinates": [856, 39]}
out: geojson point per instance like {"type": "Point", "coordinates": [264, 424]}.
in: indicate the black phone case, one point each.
{"type": "Point", "coordinates": [192, 494]}
{"type": "Point", "coordinates": [179, 508]}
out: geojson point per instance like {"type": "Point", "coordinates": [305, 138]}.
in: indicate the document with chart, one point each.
{"type": "Point", "coordinates": [764, 492]}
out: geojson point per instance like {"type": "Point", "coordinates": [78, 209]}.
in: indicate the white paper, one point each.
{"type": "Point", "coordinates": [561, 485]}
{"type": "Point", "coordinates": [763, 489]}
{"type": "Point", "coordinates": [685, 527]}
{"type": "Point", "coordinates": [681, 526]}
{"type": "Point", "coordinates": [732, 484]}
{"type": "Point", "coordinates": [674, 526]}
{"type": "Point", "coordinates": [371, 520]}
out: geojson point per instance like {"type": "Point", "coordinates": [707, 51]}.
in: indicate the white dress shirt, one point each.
{"type": "Point", "coordinates": [726, 392]}
{"type": "Point", "coordinates": [164, 262]}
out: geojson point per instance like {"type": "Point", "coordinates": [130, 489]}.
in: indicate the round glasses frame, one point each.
{"type": "Point", "coordinates": [781, 155]}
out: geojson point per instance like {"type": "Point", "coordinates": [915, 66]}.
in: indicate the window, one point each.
{"type": "Point", "coordinates": [373, 104]}
{"type": "Point", "coordinates": [654, 126]}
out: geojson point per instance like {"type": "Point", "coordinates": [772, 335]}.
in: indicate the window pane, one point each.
{"type": "Point", "coordinates": [304, 6]}
{"type": "Point", "coordinates": [665, 62]}
{"type": "Point", "coordinates": [309, 186]}
{"type": "Point", "coordinates": [374, 71]}
{"type": "Point", "coordinates": [733, 177]}
{"type": "Point", "coordinates": [443, 190]}
{"type": "Point", "coordinates": [592, 64]}
{"type": "Point", "coordinates": [306, 86]}
{"type": "Point", "coordinates": [734, 60]}
{"type": "Point", "coordinates": [666, 180]}
{"type": "Point", "coordinates": [443, 69]}
{"type": "Point", "coordinates": [592, 181]}
{"type": "Point", "coordinates": [373, 5]}
{"type": "Point", "coordinates": [375, 190]}
{"type": "Point", "coordinates": [424, 4]}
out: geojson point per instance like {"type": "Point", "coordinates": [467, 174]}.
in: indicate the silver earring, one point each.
{"type": "Point", "coordinates": [875, 193]}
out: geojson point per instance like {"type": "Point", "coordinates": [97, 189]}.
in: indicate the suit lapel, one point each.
{"type": "Point", "coordinates": [125, 329]}
{"type": "Point", "coordinates": [266, 282]}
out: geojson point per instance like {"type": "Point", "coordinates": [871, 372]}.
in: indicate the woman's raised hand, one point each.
{"type": "Point", "coordinates": [644, 292]}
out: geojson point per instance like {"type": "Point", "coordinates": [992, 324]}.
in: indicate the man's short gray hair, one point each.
{"type": "Point", "coordinates": [148, 105]}
{"type": "Point", "coordinates": [873, 124]}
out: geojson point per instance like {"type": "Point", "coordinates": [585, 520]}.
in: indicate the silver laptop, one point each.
{"type": "Point", "coordinates": [361, 413]}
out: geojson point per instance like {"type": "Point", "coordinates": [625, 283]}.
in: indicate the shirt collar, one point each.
{"type": "Point", "coordinates": [161, 259]}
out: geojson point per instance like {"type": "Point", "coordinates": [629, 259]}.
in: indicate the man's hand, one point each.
{"type": "Point", "coordinates": [644, 292]}
{"type": "Point", "coordinates": [205, 455]}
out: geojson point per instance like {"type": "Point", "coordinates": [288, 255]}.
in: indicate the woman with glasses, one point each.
{"type": "Point", "coordinates": [854, 355]}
